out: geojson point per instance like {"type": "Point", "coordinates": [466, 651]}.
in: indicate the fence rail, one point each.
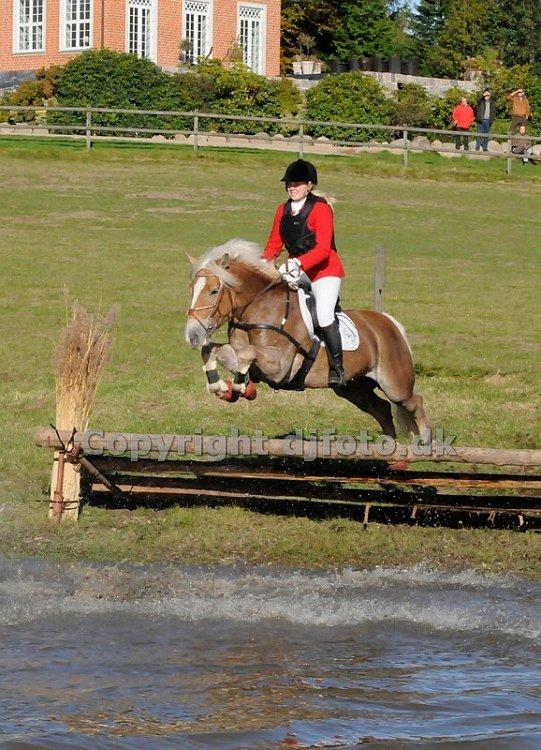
{"type": "Point", "coordinates": [90, 131]}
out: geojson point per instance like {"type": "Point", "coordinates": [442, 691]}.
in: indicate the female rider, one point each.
{"type": "Point", "coordinates": [304, 226]}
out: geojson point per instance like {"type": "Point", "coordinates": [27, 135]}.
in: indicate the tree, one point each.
{"type": "Point", "coordinates": [465, 33]}
{"type": "Point", "coordinates": [516, 29]}
{"type": "Point", "coordinates": [403, 43]}
{"type": "Point", "coordinates": [317, 18]}
{"type": "Point", "coordinates": [428, 20]}
{"type": "Point", "coordinates": [366, 29]}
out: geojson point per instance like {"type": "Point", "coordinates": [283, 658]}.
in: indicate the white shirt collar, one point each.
{"type": "Point", "coordinates": [296, 206]}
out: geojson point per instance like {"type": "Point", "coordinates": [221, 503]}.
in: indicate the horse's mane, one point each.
{"type": "Point", "coordinates": [247, 253]}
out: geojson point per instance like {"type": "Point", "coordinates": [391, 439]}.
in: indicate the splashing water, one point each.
{"type": "Point", "coordinates": [161, 656]}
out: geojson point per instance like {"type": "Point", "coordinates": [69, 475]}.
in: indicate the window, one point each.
{"type": "Point", "coordinates": [197, 29]}
{"type": "Point", "coordinates": [141, 28]}
{"type": "Point", "coordinates": [76, 26]}
{"type": "Point", "coordinates": [29, 35]}
{"type": "Point", "coordinates": [252, 35]}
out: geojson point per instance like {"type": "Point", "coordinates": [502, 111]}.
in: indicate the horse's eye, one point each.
{"type": "Point", "coordinates": [214, 291]}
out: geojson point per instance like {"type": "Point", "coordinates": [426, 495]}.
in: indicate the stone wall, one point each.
{"type": "Point", "coordinates": [390, 81]}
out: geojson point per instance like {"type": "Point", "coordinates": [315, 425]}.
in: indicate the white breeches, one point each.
{"type": "Point", "coordinates": [326, 291]}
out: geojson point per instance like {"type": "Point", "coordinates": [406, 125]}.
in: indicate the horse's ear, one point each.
{"type": "Point", "coordinates": [224, 260]}
{"type": "Point", "coordinates": [192, 260]}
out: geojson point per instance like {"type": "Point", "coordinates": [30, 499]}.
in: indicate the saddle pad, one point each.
{"type": "Point", "coordinates": [348, 332]}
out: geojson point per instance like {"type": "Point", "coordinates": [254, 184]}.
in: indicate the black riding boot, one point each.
{"type": "Point", "coordinates": [333, 342]}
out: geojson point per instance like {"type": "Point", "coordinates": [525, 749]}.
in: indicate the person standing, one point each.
{"type": "Point", "coordinates": [462, 119]}
{"type": "Point", "coordinates": [485, 115]}
{"type": "Point", "coordinates": [520, 109]}
{"type": "Point", "coordinates": [304, 225]}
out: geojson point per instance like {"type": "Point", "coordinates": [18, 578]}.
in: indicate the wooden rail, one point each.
{"type": "Point", "coordinates": [362, 488]}
{"type": "Point", "coordinates": [90, 131]}
{"type": "Point", "coordinates": [98, 442]}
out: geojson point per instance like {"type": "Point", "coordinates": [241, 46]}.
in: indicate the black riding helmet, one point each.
{"type": "Point", "coordinates": [300, 171]}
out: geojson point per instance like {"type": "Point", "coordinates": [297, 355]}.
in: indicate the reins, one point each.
{"type": "Point", "coordinates": [268, 326]}
{"type": "Point", "coordinates": [215, 308]}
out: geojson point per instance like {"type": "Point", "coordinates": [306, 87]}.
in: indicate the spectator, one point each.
{"type": "Point", "coordinates": [462, 119]}
{"type": "Point", "coordinates": [520, 109]}
{"type": "Point", "coordinates": [521, 145]}
{"type": "Point", "coordinates": [484, 116]}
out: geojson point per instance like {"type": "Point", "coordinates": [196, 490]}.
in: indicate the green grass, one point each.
{"type": "Point", "coordinates": [113, 226]}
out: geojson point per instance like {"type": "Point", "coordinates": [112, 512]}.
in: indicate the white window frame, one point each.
{"type": "Point", "coordinates": [153, 31]}
{"type": "Point", "coordinates": [17, 26]}
{"type": "Point", "coordinates": [262, 67]}
{"type": "Point", "coordinates": [62, 44]}
{"type": "Point", "coordinates": [210, 25]}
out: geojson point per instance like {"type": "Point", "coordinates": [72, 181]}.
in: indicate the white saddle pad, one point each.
{"type": "Point", "coordinates": [348, 332]}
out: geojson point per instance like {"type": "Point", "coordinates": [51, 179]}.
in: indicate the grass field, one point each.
{"type": "Point", "coordinates": [112, 227]}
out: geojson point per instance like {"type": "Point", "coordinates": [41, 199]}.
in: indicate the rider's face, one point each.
{"type": "Point", "coordinates": [298, 190]}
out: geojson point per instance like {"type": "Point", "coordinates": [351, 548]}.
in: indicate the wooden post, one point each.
{"type": "Point", "coordinates": [301, 140]}
{"type": "Point", "coordinates": [65, 492]}
{"type": "Point", "coordinates": [405, 146]}
{"type": "Point", "coordinates": [195, 132]}
{"type": "Point", "coordinates": [509, 167]}
{"type": "Point", "coordinates": [88, 133]}
{"type": "Point", "coordinates": [379, 278]}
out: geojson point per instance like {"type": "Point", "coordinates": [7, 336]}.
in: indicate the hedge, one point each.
{"type": "Point", "coordinates": [348, 97]}
{"type": "Point", "coordinates": [102, 78]}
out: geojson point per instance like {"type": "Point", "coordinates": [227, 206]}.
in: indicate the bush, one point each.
{"type": "Point", "coordinates": [120, 81]}
{"type": "Point", "coordinates": [239, 91]}
{"type": "Point", "coordinates": [103, 78]}
{"type": "Point", "coordinates": [348, 97]}
{"type": "Point", "coordinates": [413, 106]}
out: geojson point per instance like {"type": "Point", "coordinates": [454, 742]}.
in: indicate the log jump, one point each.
{"type": "Point", "coordinates": [120, 469]}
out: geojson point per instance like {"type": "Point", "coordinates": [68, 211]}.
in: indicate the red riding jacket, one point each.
{"type": "Point", "coordinates": [321, 260]}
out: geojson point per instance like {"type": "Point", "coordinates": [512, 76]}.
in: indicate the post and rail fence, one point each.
{"type": "Point", "coordinates": [298, 140]}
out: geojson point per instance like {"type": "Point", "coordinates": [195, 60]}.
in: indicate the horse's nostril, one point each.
{"type": "Point", "coordinates": [194, 339]}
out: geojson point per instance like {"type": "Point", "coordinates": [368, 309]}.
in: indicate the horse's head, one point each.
{"type": "Point", "coordinates": [211, 301]}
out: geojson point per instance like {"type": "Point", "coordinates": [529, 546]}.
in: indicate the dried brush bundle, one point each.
{"type": "Point", "coordinates": [78, 365]}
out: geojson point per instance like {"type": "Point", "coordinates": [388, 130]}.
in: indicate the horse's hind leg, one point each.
{"type": "Point", "coordinates": [411, 416]}
{"type": "Point", "coordinates": [360, 392]}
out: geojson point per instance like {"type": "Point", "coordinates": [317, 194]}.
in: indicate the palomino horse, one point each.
{"type": "Point", "coordinates": [268, 340]}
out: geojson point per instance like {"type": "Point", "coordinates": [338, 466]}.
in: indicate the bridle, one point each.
{"type": "Point", "coordinates": [215, 307]}
{"type": "Point", "coordinates": [236, 323]}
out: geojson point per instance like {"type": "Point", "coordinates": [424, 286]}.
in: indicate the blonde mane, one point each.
{"type": "Point", "coordinates": [247, 253]}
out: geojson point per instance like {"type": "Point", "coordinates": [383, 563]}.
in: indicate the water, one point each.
{"type": "Point", "coordinates": [175, 657]}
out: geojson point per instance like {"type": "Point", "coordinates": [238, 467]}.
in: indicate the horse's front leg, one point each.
{"type": "Point", "coordinates": [212, 354]}
{"type": "Point", "coordinates": [242, 385]}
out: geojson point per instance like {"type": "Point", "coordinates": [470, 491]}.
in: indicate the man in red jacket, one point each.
{"type": "Point", "coordinates": [462, 119]}
{"type": "Point", "coordinates": [304, 225]}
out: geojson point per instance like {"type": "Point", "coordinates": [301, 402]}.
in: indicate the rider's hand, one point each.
{"type": "Point", "coordinates": [290, 271]}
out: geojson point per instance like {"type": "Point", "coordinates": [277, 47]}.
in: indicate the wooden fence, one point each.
{"type": "Point", "coordinates": [298, 140]}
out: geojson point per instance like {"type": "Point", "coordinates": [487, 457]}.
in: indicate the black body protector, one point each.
{"type": "Point", "coordinates": [294, 231]}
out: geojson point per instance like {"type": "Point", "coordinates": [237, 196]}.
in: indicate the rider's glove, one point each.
{"type": "Point", "coordinates": [290, 271]}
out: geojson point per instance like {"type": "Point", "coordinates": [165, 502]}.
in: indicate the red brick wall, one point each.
{"type": "Point", "coordinates": [112, 33]}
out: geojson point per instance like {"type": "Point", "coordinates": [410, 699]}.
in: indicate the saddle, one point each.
{"type": "Point", "coordinates": [307, 303]}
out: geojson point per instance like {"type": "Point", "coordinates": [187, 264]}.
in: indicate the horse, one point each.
{"type": "Point", "coordinates": [269, 342]}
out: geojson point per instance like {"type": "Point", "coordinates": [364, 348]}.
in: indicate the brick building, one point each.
{"type": "Point", "coordinates": [36, 33]}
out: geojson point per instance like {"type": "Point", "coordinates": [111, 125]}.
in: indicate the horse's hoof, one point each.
{"type": "Point", "coordinates": [229, 395]}
{"type": "Point", "coordinates": [250, 392]}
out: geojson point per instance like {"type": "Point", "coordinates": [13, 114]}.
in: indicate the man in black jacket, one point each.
{"type": "Point", "coordinates": [484, 117]}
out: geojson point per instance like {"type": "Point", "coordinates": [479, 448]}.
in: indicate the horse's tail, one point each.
{"type": "Point", "coordinates": [404, 419]}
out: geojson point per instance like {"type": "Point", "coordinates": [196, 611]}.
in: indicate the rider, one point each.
{"type": "Point", "coordinates": [304, 225]}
